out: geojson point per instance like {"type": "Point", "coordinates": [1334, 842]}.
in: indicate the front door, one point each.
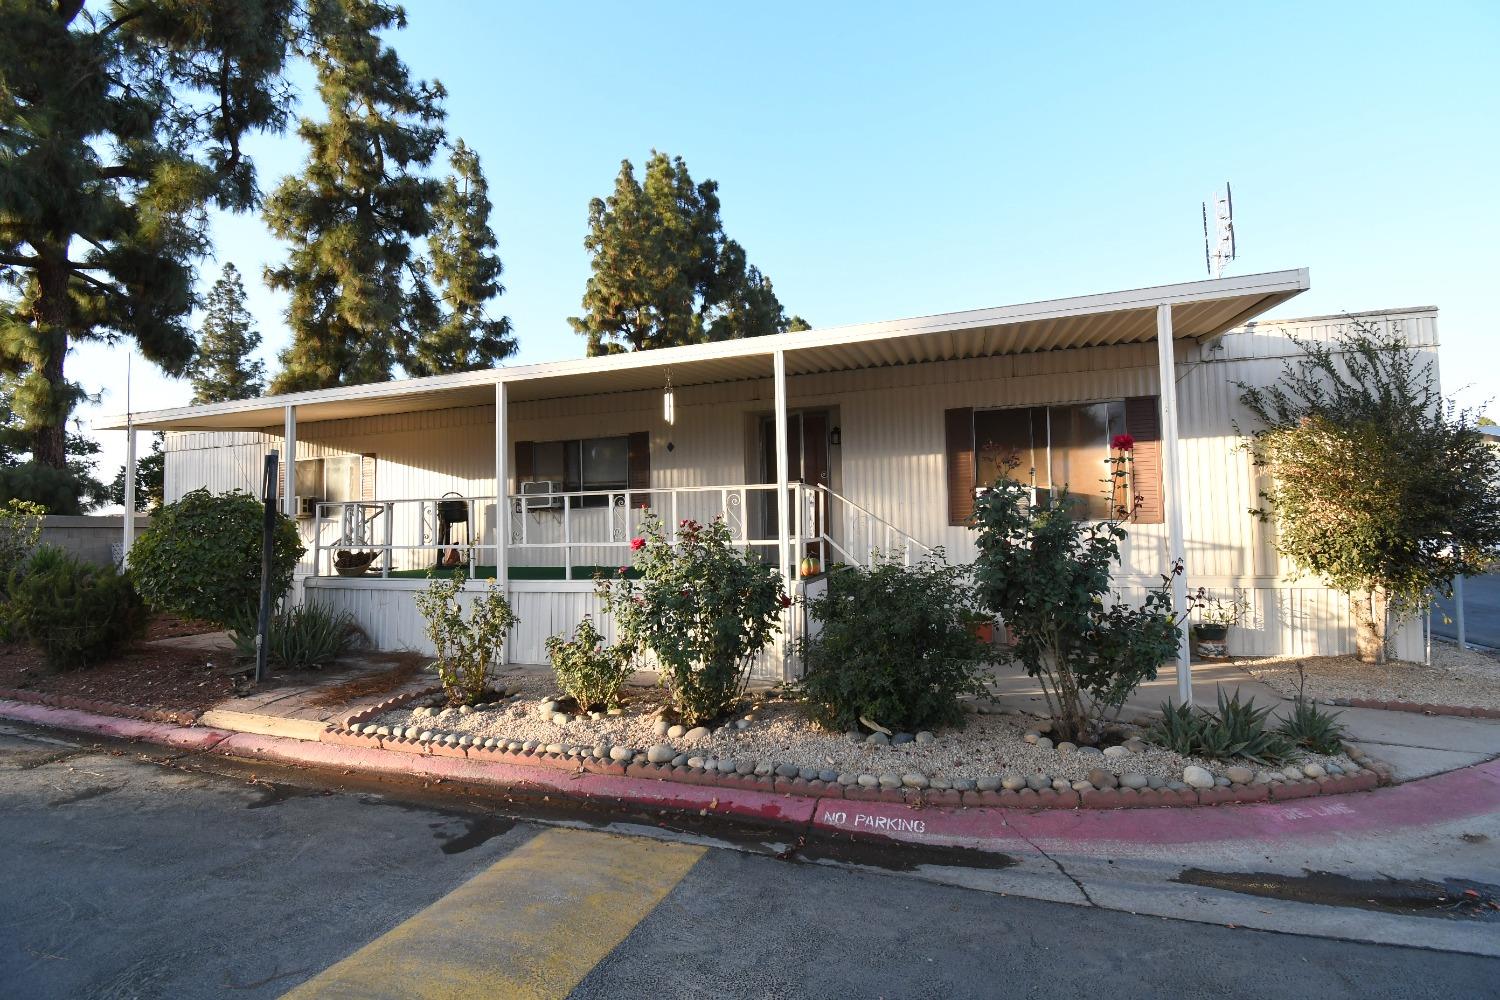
{"type": "Point", "coordinates": [808, 461]}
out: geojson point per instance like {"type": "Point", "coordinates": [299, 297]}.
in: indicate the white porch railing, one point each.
{"type": "Point", "coordinates": [578, 532]}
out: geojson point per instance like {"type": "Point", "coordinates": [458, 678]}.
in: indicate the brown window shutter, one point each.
{"type": "Point", "coordinates": [367, 476]}
{"type": "Point", "coordinates": [524, 452]}
{"type": "Point", "coordinates": [958, 428]}
{"type": "Point", "coordinates": [1143, 423]}
{"type": "Point", "coordinates": [638, 467]}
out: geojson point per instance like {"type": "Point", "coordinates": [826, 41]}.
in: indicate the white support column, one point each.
{"type": "Point", "coordinates": [1171, 489]}
{"type": "Point", "coordinates": [502, 497]}
{"type": "Point", "coordinates": [783, 550]}
{"type": "Point", "coordinates": [289, 463]}
{"type": "Point", "coordinates": [128, 533]}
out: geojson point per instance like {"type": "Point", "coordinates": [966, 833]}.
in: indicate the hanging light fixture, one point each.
{"type": "Point", "coordinates": [669, 402]}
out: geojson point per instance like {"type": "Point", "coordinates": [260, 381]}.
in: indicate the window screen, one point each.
{"type": "Point", "coordinates": [1052, 447]}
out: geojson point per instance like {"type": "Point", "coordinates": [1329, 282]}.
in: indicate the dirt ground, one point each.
{"type": "Point", "coordinates": [145, 675]}
{"type": "Point", "coordinates": [1467, 678]}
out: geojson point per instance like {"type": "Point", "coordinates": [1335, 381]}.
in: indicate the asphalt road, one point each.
{"type": "Point", "coordinates": [1481, 612]}
{"type": "Point", "coordinates": [138, 875]}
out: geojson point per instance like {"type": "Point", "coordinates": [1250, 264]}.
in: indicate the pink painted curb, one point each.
{"type": "Point", "coordinates": [1456, 795]}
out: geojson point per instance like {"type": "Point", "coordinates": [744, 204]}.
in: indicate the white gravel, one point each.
{"type": "Point", "coordinates": [990, 744]}
{"type": "Point", "coordinates": [1465, 678]}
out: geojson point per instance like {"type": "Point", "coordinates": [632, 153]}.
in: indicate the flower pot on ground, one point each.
{"type": "Point", "coordinates": [1211, 641]}
{"type": "Point", "coordinates": [1215, 616]}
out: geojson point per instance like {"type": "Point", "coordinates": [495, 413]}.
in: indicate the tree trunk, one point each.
{"type": "Point", "coordinates": [53, 315]}
{"type": "Point", "coordinates": [1371, 616]}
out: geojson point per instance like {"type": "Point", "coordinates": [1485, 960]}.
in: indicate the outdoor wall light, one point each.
{"type": "Point", "coordinates": [669, 402]}
{"type": "Point", "coordinates": [834, 437]}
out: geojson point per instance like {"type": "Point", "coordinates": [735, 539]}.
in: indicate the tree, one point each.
{"type": "Point", "coordinates": [352, 214]}
{"type": "Point", "coordinates": [1376, 483]}
{"type": "Point", "coordinates": [223, 369]}
{"type": "Point", "coordinates": [467, 272]}
{"type": "Point", "coordinates": [664, 273]}
{"type": "Point", "coordinates": [119, 127]}
{"type": "Point", "coordinates": [72, 489]}
{"type": "Point", "coordinates": [150, 478]}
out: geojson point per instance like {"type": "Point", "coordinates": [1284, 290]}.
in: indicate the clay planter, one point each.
{"type": "Point", "coordinates": [1211, 641]}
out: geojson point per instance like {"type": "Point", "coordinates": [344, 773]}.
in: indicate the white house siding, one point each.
{"type": "Point", "coordinates": [891, 461]}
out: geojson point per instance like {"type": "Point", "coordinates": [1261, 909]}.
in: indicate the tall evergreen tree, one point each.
{"type": "Point", "coordinates": [467, 272]}
{"type": "Point", "coordinates": [119, 125]}
{"type": "Point", "coordinates": [352, 214]}
{"type": "Point", "coordinates": [223, 368]}
{"type": "Point", "coordinates": [150, 477]}
{"type": "Point", "coordinates": [664, 273]}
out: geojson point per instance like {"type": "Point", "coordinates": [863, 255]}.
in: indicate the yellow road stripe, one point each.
{"type": "Point", "coordinates": [529, 927]}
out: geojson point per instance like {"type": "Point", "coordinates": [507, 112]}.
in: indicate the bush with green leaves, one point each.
{"type": "Point", "coordinates": [76, 613]}
{"type": "Point", "coordinates": [1375, 482]}
{"type": "Point", "coordinates": [465, 648]}
{"type": "Point", "coordinates": [1047, 574]}
{"type": "Point", "coordinates": [201, 557]}
{"type": "Point", "coordinates": [895, 645]}
{"type": "Point", "coordinates": [588, 669]}
{"type": "Point", "coordinates": [1311, 728]}
{"type": "Point", "coordinates": [305, 637]}
{"type": "Point", "coordinates": [20, 530]}
{"type": "Point", "coordinates": [1236, 731]}
{"type": "Point", "coordinates": [703, 607]}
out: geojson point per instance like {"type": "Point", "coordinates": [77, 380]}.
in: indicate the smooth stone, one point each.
{"type": "Point", "coordinates": [867, 781]}
{"type": "Point", "coordinates": [1100, 778]}
{"type": "Point", "coordinates": [530, 746]}
{"type": "Point", "coordinates": [1220, 781]}
{"type": "Point", "coordinates": [787, 770]}
{"type": "Point", "coordinates": [661, 753]}
{"type": "Point", "coordinates": [451, 739]}
{"type": "Point", "coordinates": [940, 784]}
{"type": "Point", "coordinates": [1292, 773]}
{"type": "Point", "coordinates": [1031, 736]}
{"type": "Point", "coordinates": [1156, 781]}
{"type": "Point", "coordinates": [1134, 746]}
{"type": "Point", "coordinates": [545, 709]}
{"type": "Point", "coordinates": [492, 743]}
{"type": "Point", "coordinates": [1083, 786]}
{"type": "Point", "coordinates": [675, 732]}
{"type": "Point", "coordinates": [807, 773]}
{"type": "Point", "coordinates": [879, 739]}
{"type": "Point", "coordinates": [466, 710]}
{"type": "Point", "coordinates": [847, 778]}
{"type": "Point", "coordinates": [764, 769]}
{"type": "Point", "coordinates": [680, 760]}
{"type": "Point", "coordinates": [1133, 780]}
{"type": "Point", "coordinates": [915, 780]}
{"type": "Point", "coordinates": [1176, 786]}
{"type": "Point", "coordinates": [744, 767]}
{"type": "Point", "coordinates": [358, 727]}
{"type": "Point", "coordinates": [827, 777]}
{"type": "Point", "coordinates": [1043, 743]}
{"type": "Point", "coordinates": [1314, 771]}
{"type": "Point", "coordinates": [425, 736]}
{"type": "Point", "coordinates": [1037, 782]}
{"type": "Point", "coordinates": [659, 727]}
{"type": "Point", "coordinates": [889, 780]}
{"type": "Point", "coordinates": [1093, 751]}
{"type": "Point", "coordinates": [696, 734]}
{"type": "Point", "coordinates": [615, 711]}
{"type": "Point", "coordinates": [1197, 777]}
{"type": "Point", "coordinates": [383, 731]}
{"type": "Point", "coordinates": [1239, 775]}
{"type": "Point", "coordinates": [965, 784]}
{"type": "Point", "coordinates": [854, 737]}
{"type": "Point", "coordinates": [1045, 726]}
{"type": "Point", "coordinates": [900, 738]}
{"type": "Point", "coordinates": [1061, 784]}
{"type": "Point", "coordinates": [750, 717]}
{"type": "Point", "coordinates": [1334, 769]}
{"type": "Point", "coordinates": [1116, 752]}
{"type": "Point", "coordinates": [1011, 782]}
{"type": "Point", "coordinates": [741, 724]}
{"type": "Point", "coordinates": [1066, 748]}
{"type": "Point", "coordinates": [696, 762]}
{"type": "Point", "coordinates": [555, 748]}
{"type": "Point", "coordinates": [601, 750]}
{"type": "Point", "coordinates": [559, 719]}
{"type": "Point", "coordinates": [989, 783]}
{"type": "Point", "coordinates": [924, 737]}
{"type": "Point", "coordinates": [728, 765]}
{"type": "Point", "coordinates": [621, 753]}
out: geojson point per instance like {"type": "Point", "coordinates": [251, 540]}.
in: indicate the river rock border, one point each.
{"type": "Point", "coordinates": [1036, 791]}
{"type": "Point", "coordinates": [1419, 708]}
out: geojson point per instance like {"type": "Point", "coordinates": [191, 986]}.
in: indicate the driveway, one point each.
{"type": "Point", "coordinates": [1482, 612]}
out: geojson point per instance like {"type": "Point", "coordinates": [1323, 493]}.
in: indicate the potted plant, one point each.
{"type": "Point", "coordinates": [1215, 616]}
{"type": "Point", "coordinates": [981, 626]}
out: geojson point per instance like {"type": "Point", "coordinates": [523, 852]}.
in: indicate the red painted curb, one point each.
{"type": "Point", "coordinates": [181, 737]}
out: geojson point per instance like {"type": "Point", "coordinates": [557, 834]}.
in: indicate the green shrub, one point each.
{"type": "Point", "coordinates": [587, 668]}
{"type": "Point", "coordinates": [20, 529]}
{"type": "Point", "coordinates": [201, 557]}
{"type": "Point", "coordinates": [1236, 731]}
{"type": "Point", "coordinates": [465, 649]}
{"type": "Point", "coordinates": [896, 647]}
{"type": "Point", "coordinates": [305, 637]}
{"type": "Point", "coordinates": [703, 607]}
{"type": "Point", "coordinates": [76, 613]}
{"type": "Point", "coordinates": [1310, 727]}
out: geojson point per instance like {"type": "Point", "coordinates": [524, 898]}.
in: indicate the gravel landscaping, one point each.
{"type": "Point", "coordinates": [1463, 677]}
{"type": "Point", "coordinates": [1000, 747]}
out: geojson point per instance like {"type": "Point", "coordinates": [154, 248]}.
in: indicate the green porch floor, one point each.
{"type": "Point", "coordinates": [483, 572]}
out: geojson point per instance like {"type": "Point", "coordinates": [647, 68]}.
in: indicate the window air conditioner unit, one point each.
{"type": "Point", "coordinates": [307, 507]}
{"type": "Point", "coordinates": [531, 501]}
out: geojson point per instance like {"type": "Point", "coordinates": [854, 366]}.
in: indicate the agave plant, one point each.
{"type": "Point", "coordinates": [1310, 727]}
{"type": "Point", "coordinates": [1237, 730]}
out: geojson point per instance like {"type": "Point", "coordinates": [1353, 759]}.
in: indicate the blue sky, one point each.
{"type": "Point", "coordinates": [885, 160]}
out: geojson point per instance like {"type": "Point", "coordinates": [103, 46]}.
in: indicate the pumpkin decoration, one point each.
{"type": "Point", "coordinates": [809, 567]}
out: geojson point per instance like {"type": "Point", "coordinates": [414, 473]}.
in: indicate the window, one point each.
{"type": "Point", "coordinates": [336, 479]}
{"type": "Point", "coordinates": [584, 465]}
{"type": "Point", "coordinates": [1052, 447]}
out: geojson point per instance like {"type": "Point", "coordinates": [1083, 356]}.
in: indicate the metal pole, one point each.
{"type": "Point", "coordinates": [128, 535]}
{"type": "Point", "coordinates": [783, 553]}
{"type": "Point", "coordinates": [289, 490]}
{"type": "Point", "coordinates": [502, 498]}
{"type": "Point", "coordinates": [267, 560]}
{"type": "Point", "coordinates": [1458, 611]}
{"type": "Point", "coordinates": [1171, 488]}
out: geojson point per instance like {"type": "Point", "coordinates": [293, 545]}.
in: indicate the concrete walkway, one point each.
{"type": "Point", "coordinates": [1415, 745]}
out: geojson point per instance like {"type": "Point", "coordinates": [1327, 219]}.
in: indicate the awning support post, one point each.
{"type": "Point", "coordinates": [289, 463]}
{"type": "Point", "coordinates": [783, 542]}
{"type": "Point", "coordinates": [502, 498]}
{"type": "Point", "coordinates": [128, 534]}
{"type": "Point", "coordinates": [1171, 488]}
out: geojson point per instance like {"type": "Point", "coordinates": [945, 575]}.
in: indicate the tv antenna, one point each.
{"type": "Point", "coordinates": [1220, 250]}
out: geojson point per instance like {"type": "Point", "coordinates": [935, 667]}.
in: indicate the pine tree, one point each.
{"type": "Point", "coordinates": [664, 273]}
{"type": "Point", "coordinates": [119, 126]}
{"type": "Point", "coordinates": [467, 272]}
{"type": "Point", "coordinates": [150, 478]}
{"type": "Point", "coordinates": [352, 214]}
{"type": "Point", "coordinates": [223, 368]}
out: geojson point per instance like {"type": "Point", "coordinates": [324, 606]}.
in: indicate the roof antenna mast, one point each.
{"type": "Point", "coordinates": [1220, 249]}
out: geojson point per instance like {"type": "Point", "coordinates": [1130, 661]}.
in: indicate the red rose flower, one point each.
{"type": "Point", "coordinates": [636, 544]}
{"type": "Point", "coordinates": [786, 601]}
{"type": "Point", "coordinates": [1122, 442]}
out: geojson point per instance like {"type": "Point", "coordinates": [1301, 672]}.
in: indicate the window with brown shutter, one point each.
{"type": "Point", "coordinates": [367, 476]}
{"type": "Point", "coordinates": [1143, 423]}
{"type": "Point", "coordinates": [958, 427]}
